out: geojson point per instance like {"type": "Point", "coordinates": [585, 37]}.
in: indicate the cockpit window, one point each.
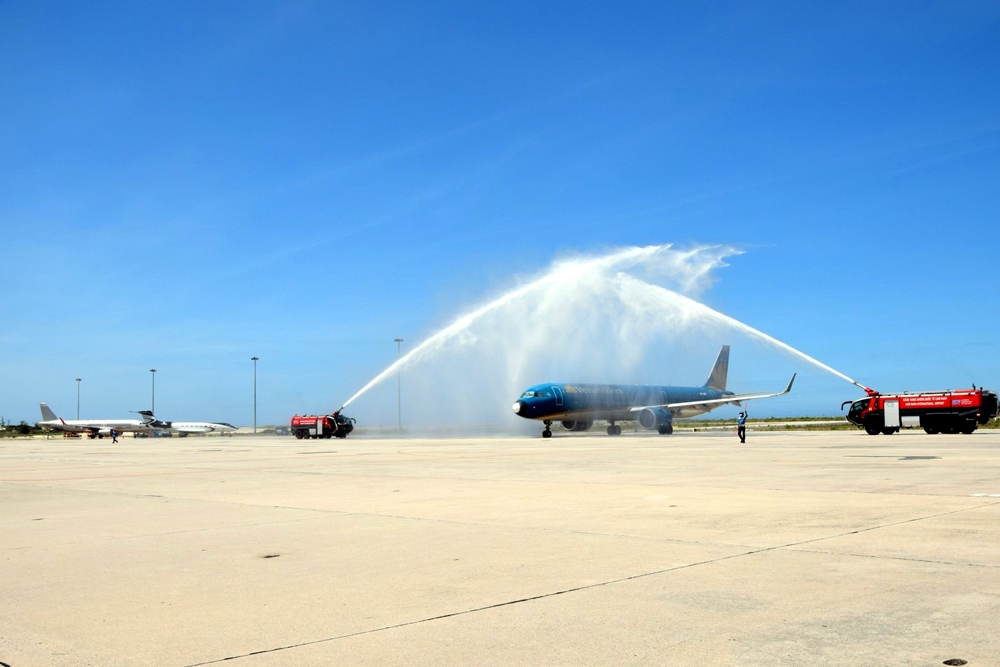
{"type": "Point", "coordinates": [535, 394]}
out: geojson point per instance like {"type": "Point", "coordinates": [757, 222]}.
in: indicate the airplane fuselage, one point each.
{"type": "Point", "coordinates": [610, 402]}
{"type": "Point", "coordinates": [183, 428]}
{"type": "Point", "coordinates": [94, 426]}
{"type": "Point", "coordinates": [196, 427]}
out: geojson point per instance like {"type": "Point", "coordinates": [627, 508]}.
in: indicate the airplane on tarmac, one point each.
{"type": "Point", "coordinates": [95, 428]}
{"type": "Point", "coordinates": [577, 406]}
{"type": "Point", "coordinates": [183, 428]}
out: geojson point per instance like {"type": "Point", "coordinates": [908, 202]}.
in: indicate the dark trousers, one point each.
{"type": "Point", "coordinates": [741, 431]}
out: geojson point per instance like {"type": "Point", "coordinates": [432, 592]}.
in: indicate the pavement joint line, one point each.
{"type": "Point", "coordinates": [900, 558]}
{"type": "Point", "coordinates": [476, 479]}
{"type": "Point", "coordinates": [468, 611]}
{"type": "Point", "coordinates": [576, 589]}
{"type": "Point", "coordinates": [290, 470]}
{"type": "Point", "coordinates": [172, 532]}
{"type": "Point", "coordinates": [195, 471]}
{"type": "Point", "coordinates": [344, 514]}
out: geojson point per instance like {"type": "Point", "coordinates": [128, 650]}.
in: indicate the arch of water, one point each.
{"type": "Point", "coordinates": [613, 303]}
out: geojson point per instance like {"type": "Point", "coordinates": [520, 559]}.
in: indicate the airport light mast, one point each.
{"type": "Point", "coordinates": [78, 397]}
{"type": "Point", "coordinates": [399, 408]}
{"type": "Point", "coordinates": [254, 360]}
{"type": "Point", "coordinates": [152, 396]}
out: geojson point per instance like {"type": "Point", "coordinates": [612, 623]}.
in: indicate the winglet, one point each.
{"type": "Point", "coordinates": [789, 387]}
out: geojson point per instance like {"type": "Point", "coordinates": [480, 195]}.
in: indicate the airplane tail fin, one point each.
{"type": "Point", "coordinates": [150, 421]}
{"type": "Point", "coordinates": [47, 414]}
{"type": "Point", "coordinates": [717, 378]}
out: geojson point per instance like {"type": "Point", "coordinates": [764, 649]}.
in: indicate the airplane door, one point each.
{"type": "Point", "coordinates": [559, 397]}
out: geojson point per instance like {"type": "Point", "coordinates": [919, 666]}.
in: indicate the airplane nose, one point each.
{"type": "Point", "coordinates": [518, 407]}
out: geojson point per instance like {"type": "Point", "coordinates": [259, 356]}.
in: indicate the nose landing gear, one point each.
{"type": "Point", "coordinates": [614, 429]}
{"type": "Point", "coordinates": [547, 433]}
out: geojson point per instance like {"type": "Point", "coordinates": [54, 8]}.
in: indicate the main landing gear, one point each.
{"type": "Point", "coordinates": [614, 429]}
{"type": "Point", "coordinates": [547, 433]}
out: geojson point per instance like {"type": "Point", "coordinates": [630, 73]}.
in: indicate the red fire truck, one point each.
{"type": "Point", "coordinates": [322, 426]}
{"type": "Point", "coordinates": [949, 411]}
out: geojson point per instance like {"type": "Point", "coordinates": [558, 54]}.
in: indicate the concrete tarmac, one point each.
{"type": "Point", "coordinates": [816, 548]}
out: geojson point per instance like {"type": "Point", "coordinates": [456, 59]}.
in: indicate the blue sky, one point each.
{"type": "Point", "coordinates": [186, 185]}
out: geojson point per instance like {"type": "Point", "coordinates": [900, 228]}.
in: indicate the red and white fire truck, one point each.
{"type": "Point", "coordinates": [322, 426]}
{"type": "Point", "coordinates": [958, 411]}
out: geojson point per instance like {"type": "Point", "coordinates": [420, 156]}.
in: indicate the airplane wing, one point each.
{"type": "Point", "coordinates": [735, 399]}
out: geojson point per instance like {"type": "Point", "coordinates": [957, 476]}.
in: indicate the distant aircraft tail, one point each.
{"type": "Point", "coordinates": [148, 419]}
{"type": "Point", "coordinates": [717, 378]}
{"type": "Point", "coordinates": [47, 414]}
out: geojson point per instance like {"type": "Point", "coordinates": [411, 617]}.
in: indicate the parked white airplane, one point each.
{"type": "Point", "coordinates": [186, 427]}
{"type": "Point", "coordinates": [96, 428]}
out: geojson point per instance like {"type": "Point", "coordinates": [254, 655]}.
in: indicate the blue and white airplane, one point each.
{"type": "Point", "coordinates": [577, 406]}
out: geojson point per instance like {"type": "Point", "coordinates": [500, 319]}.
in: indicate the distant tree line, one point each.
{"type": "Point", "coordinates": [8, 430]}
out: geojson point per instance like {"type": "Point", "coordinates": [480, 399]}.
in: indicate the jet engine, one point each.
{"type": "Point", "coordinates": [658, 418]}
{"type": "Point", "coordinates": [579, 425]}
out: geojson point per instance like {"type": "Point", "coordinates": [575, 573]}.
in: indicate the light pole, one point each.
{"type": "Point", "coordinates": [254, 360]}
{"type": "Point", "coordinates": [78, 397]}
{"type": "Point", "coordinates": [399, 409]}
{"type": "Point", "coordinates": [152, 397]}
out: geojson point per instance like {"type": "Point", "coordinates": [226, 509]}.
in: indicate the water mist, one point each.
{"type": "Point", "coordinates": [598, 319]}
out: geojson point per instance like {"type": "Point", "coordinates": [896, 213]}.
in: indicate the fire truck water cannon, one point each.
{"type": "Point", "coordinates": [334, 425]}
{"type": "Point", "coordinates": [959, 411]}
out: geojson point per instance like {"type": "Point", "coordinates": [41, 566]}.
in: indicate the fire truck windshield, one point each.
{"type": "Point", "coordinates": [854, 414]}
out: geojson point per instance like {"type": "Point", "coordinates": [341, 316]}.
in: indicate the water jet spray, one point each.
{"type": "Point", "coordinates": [587, 304]}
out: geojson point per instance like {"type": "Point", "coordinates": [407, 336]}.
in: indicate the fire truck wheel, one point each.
{"type": "Point", "coordinates": [930, 430]}
{"type": "Point", "coordinates": [872, 429]}
{"type": "Point", "coordinates": [298, 435]}
{"type": "Point", "coordinates": [888, 431]}
{"type": "Point", "coordinates": [969, 428]}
